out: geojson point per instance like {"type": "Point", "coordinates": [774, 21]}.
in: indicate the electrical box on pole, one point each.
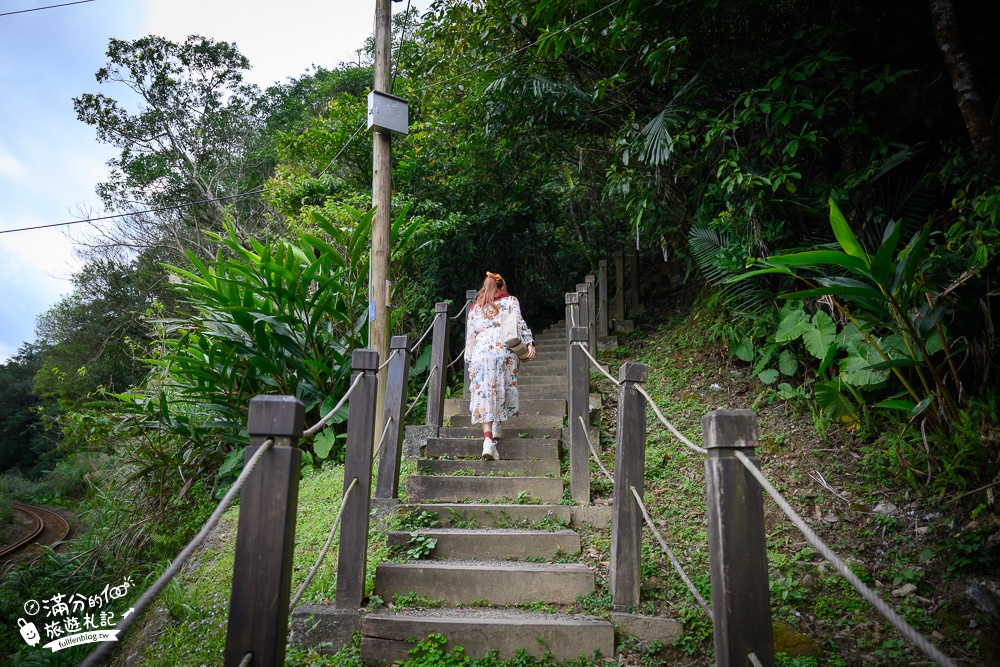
{"type": "Point", "coordinates": [388, 113]}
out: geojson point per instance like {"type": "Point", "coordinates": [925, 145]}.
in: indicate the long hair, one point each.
{"type": "Point", "coordinates": [490, 293]}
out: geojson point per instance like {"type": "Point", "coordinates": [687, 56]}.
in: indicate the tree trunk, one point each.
{"type": "Point", "coordinates": [949, 40]}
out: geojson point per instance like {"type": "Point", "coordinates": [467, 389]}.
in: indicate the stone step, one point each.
{"type": "Point", "coordinates": [493, 543]}
{"type": "Point", "coordinates": [526, 406]}
{"type": "Point", "coordinates": [500, 583]}
{"type": "Point", "coordinates": [422, 488]}
{"type": "Point", "coordinates": [522, 421]}
{"type": "Point", "coordinates": [510, 449]}
{"type": "Point", "coordinates": [522, 468]}
{"type": "Point", "coordinates": [486, 516]}
{"type": "Point", "coordinates": [538, 366]}
{"type": "Point", "coordinates": [387, 636]}
{"type": "Point", "coordinates": [511, 431]}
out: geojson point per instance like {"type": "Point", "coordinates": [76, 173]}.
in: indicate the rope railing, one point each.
{"type": "Point", "coordinates": [677, 434]}
{"type": "Point", "coordinates": [98, 656]}
{"type": "Point", "coordinates": [318, 426]}
{"type": "Point", "coordinates": [596, 363]}
{"type": "Point", "coordinates": [422, 390]}
{"type": "Point", "coordinates": [394, 353]}
{"type": "Point", "coordinates": [461, 311]}
{"type": "Point", "coordinates": [457, 358]}
{"type": "Point", "coordinates": [378, 445]}
{"type": "Point", "coordinates": [247, 660]}
{"type": "Point", "coordinates": [673, 559]}
{"type": "Point", "coordinates": [867, 593]}
{"type": "Point", "coordinates": [594, 452]}
{"type": "Point", "coordinates": [325, 549]}
{"type": "Point", "coordinates": [430, 327]}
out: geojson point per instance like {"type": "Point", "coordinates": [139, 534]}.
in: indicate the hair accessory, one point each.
{"type": "Point", "coordinates": [494, 276]}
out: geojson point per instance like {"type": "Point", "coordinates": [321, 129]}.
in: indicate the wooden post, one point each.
{"type": "Point", "coordinates": [439, 366]}
{"type": "Point", "coordinates": [379, 325]}
{"type": "Point", "coordinates": [626, 518]}
{"type": "Point", "coordinates": [592, 319]}
{"type": "Point", "coordinates": [578, 379]}
{"type": "Point", "coordinates": [470, 295]}
{"type": "Point", "coordinates": [583, 308]}
{"type": "Point", "coordinates": [634, 284]}
{"type": "Point", "coordinates": [353, 556]}
{"type": "Point", "coordinates": [572, 319]}
{"type": "Point", "coordinates": [736, 541]}
{"type": "Point", "coordinates": [398, 372]}
{"type": "Point", "coordinates": [619, 287]}
{"type": "Point", "coordinates": [265, 539]}
{"type": "Point", "coordinates": [602, 305]}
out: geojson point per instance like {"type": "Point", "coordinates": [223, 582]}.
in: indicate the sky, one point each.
{"type": "Point", "coordinates": [50, 161]}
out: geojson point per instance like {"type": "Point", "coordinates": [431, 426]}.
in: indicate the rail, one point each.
{"type": "Point", "coordinates": [740, 610]}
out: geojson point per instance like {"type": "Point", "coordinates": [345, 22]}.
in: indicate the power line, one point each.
{"type": "Point", "coordinates": [125, 215]}
{"type": "Point", "coordinates": [402, 40]}
{"type": "Point", "coordinates": [38, 9]}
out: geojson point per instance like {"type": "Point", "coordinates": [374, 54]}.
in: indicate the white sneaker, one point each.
{"type": "Point", "coordinates": [490, 450]}
{"type": "Point", "coordinates": [497, 431]}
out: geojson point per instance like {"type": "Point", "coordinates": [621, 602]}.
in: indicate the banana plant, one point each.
{"type": "Point", "coordinates": [883, 295]}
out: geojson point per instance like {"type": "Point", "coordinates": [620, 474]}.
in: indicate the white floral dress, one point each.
{"type": "Point", "coordinates": [492, 366]}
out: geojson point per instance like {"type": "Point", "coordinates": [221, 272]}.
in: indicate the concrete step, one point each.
{"type": "Point", "coordinates": [523, 468]}
{"type": "Point", "coordinates": [501, 583]}
{"type": "Point", "coordinates": [526, 406]}
{"type": "Point", "coordinates": [522, 421]}
{"type": "Point", "coordinates": [493, 543]}
{"type": "Point", "coordinates": [422, 488]}
{"type": "Point", "coordinates": [510, 449]}
{"type": "Point", "coordinates": [538, 366]}
{"type": "Point", "coordinates": [511, 431]}
{"type": "Point", "coordinates": [387, 636]}
{"type": "Point", "coordinates": [486, 516]}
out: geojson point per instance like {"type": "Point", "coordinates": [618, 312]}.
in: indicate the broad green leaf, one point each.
{"type": "Point", "coordinates": [845, 237]}
{"type": "Point", "coordinates": [903, 406]}
{"type": "Point", "coordinates": [834, 402]}
{"type": "Point", "coordinates": [768, 376]}
{"type": "Point", "coordinates": [793, 325]}
{"type": "Point", "coordinates": [820, 335]}
{"type": "Point", "coordinates": [816, 258]}
{"type": "Point", "coordinates": [745, 350]}
{"type": "Point", "coordinates": [922, 405]}
{"type": "Point", "coordinates": [232, 463]}
{"type": "Point", "coordinates": [882, 263]}
{"type": "Point", "coordinates": [788, 363]}
{"type": "Point", "coordinates": [324, 442]}
{"type": "Point", "coordinates": [856, 370]}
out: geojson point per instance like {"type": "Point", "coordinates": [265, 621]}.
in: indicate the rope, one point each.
{"type": "Point", "coordinates": [247, 660]}
{"type": "Point", "coordinates": [378, 445]}
{"type": "Point", "coordinates": [868, 594]}
{"type": "Point", "coordinates": [594, 451]}
{"type": "Point", "coordinates": [680, 436]}
{"type": "Point", "coordinates": [754, 659]}
{"type": "Point", "coordinates": [596, 363]}
{"type": "Point", "coordinates": [326, 547]}
{"type": "Point", "coordinates": [673, 560]}
{"type": "Point", "coordinates": [456, 359]}
{"type": "Point", "coordinates": [422, 390]}
{"type": "Point", "coordinates": [394, 353]}
{"type": "Point", "coordinates": [315, 428]}
{"type": "Point", "coordinates": [413, 348]}
{"type": "Point", "coordinates": [461, 310]}
{"type": "Point", "coordinates": [98, 656]}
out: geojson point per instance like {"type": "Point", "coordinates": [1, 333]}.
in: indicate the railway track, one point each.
{"type": "Point", "coordinates": [47, 523]}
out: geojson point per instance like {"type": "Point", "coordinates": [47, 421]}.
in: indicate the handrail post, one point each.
{"type": "Point", "coordinates": [265, 538]}
{"type": "Point", "coordinates": [470, 295]}
{"type": "Point", "coordinates": [578, 378]}
{"type": "Point", "coordinates": [602, 307]}
{"type": "Point", "coordinates": [572, 320]}
{"type": "Point", "coordinates": [592, 313]}
{"type": "Point", "coordinates": [438, 367]}
{"type": "Point", "coordinates": [619, 286]}
{"type": "Point", "coordinates": [387, 485]}
{"type": "Point", "coordinates": [584, 307]}
{"type": "Point", "coordinates": [736, 541]}
{"type": "Point", "coordinates": [353, 556]}
{"type": "Point", "coordinates": [626, 518]}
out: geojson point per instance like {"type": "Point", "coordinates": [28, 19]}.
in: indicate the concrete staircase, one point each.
{"type": "Point", "coordinates": [497, 535]}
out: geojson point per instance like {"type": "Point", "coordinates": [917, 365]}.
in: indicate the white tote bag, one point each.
{"type": "Point", "coordinates": [509, 334]}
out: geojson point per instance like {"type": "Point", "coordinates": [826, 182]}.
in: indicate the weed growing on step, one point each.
{"type": "Point", "coordinates": [461, 520]}
{"type": "Point", "coordinates": [420, 546]}
{"type": "Point", "coordinates": [411, 599]}
{"type": "Point", "coordinates": [414, 519]}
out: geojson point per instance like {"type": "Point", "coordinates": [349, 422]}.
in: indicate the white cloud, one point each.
{"type": "Point", "coordinates": [279, 44]}
{"type": "Point", "coordinates": [9, 165]}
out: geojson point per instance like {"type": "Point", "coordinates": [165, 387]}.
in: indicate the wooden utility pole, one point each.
{"type": "Point", "coordinates": [378, 331]}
